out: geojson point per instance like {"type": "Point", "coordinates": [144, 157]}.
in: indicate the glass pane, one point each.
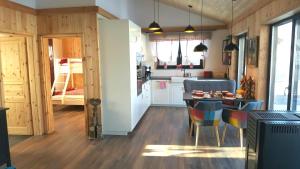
{"type": "Point", "coordinates": [241, 60]}
{"type": "Point", "coordinates": [167, 51]}
{"type": "Point", "coordinates": [280, 66]}
{"type": "Point", "coordinates": [295, 103]}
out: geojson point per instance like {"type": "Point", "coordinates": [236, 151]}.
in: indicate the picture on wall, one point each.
{"type": "Point", "coordinates": [252, 51]}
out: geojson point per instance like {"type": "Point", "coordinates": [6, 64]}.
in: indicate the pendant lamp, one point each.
{"type": "Point", "coordinates": [189, 28]}
{"type": "Point", "coordinates": [231, 46]}
{"type": "Point", "coordinates": [201, 47]}
{"type": "Point", "coordinates": [160, 30]}
{"type": "Point", "coordinates": [154, 25]}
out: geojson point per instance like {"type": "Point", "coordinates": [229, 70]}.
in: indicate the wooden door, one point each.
{"type": "Point", "coordinates": [15, 86]}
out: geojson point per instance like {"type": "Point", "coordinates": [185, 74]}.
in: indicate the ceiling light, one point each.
{"type": "Point", "coordinates": [231, 46]}
{"type": "Point", "coordinates": [159, 31]}
{"type": "Point", "coordinates": [189, 28]}
{"type": "Point", "coordinates": [201, 47]}
{"type": "Point", "coordinates": [154, 25]}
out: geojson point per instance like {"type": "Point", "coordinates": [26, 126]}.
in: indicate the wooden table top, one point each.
{"type": "Point", "coordinates": [189, 97]}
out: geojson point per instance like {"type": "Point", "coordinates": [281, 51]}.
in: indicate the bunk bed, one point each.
{"type": "Point", "coordinates": [63, 90]}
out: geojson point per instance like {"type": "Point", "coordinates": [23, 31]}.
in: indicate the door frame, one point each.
{"type": "Point", "coordinates": [45, 77]}
{"type": "Point", "coordinates": [284, 21]}
{"type": "Point", "coordinates": [33, 82]}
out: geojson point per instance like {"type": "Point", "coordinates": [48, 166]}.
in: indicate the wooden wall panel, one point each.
{"type": "Point", "coordinates": [85, 26]}
{"type": "Point", "coordinates": [19, 22]}
{"type": "Point", "coordinates": [255, 22]}
{"type": "Point", "coordinates": [71, 47]}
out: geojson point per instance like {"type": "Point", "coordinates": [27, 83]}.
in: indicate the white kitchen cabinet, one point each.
{"type": "Point", "coordinates": [177, 91]}
{"type": "Point", "coordinates": [160, 96]}
{"type": "Point", "coordinates": [146, 95]}
{"type": "Point", "coordinates": [120, 103]}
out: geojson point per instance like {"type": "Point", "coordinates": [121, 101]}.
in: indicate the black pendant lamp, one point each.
{"type": "Point", "coordinates": [231, 46]}
{"type": "Point", "coordinates": [154, 25]}
{"type": "Point", "coordinates": [160, 30]}
{"type": "Point", "coordinates": [189, 28]}
{"type": "Point", "coordinates": [201, 47]}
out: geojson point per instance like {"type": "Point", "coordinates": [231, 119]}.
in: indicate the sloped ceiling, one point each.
{"type": "Point", "coordinates": [215, 9]}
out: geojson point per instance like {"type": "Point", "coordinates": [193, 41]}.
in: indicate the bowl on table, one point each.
{"type": "Point", "coordinates": [228, 94]}
{"type": "Point", "coordinates": [198, 94]}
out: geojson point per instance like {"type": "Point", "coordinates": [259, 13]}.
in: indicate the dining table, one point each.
{"type": "Point", "coordinates": [227, 102]}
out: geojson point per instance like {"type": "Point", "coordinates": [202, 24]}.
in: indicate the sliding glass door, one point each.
{"type": "Point", "coordinates": [285, 66]}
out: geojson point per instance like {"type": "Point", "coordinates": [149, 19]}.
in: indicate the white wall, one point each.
{"type": "Point", "coordinates": [28, 3]}
{"type": "Point", "coordinates": [213, 62]}
{"type": "Point", "coordinates": [118, 8]}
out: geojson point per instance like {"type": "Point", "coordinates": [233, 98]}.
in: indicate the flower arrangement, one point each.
{"type": "Point", "coordinates": [247, 88]}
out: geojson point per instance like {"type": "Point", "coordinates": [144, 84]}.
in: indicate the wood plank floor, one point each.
{"type": "Point", "coordinates": [161, 141]}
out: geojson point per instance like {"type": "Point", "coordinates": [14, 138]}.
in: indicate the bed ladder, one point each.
{"type": "Point", "coordinates": [61, 80]}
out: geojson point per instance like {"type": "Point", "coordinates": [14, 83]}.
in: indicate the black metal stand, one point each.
{"type": "Point", "coordinates": [4, 144]}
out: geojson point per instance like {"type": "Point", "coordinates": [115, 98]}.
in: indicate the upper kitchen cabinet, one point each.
{"type": "Point", "coordinates": [120, 44]}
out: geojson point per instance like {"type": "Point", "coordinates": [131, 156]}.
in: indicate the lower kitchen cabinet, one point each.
{"type": "Point", "coordinates": [142, 104]}
{"type": "Point", "coordinates": [177, 91]}
{"type": "Point", "coordinates": [160, 92]}
{"type": "Point", "coordinates": [167, 93]}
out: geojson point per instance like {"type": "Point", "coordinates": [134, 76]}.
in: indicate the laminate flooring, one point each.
{"type": "Point", "coordinates": [160, 141]}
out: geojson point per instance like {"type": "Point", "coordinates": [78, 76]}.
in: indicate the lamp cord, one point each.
{"type": "Point", "coordinates": [154, 10]}
{"type": "Point", "coordinates": [189, 15]}
{"type": "Point", "coordinates": [231, 20]}
{"type": "Point", "coordinates": [201, 21]}
{"type": "Point", "coordinates": [158, 12]}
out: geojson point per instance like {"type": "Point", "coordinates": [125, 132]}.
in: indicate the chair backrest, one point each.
{"type": "Point", "coordinates": [253, 105]}
{"type": "Point", "coordinates": [207, 113]}
{"type": "Point", "coordinates": [208, 85]}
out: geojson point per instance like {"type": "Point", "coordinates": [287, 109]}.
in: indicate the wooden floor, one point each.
{"type": "Point", "coordinates": [160, 141]}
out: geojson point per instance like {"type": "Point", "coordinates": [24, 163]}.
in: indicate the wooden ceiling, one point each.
{"type": "Point", "coordinates": [215, 9]}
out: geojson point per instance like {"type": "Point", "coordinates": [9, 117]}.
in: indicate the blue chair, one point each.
{"type": "Point", "coordinates": [205, 113]}
{"type": "Point", "coordinates": [238, 118]}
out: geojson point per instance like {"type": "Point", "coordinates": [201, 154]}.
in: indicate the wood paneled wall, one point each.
{"type": "Point", "coordinates": [256, 23]}
{"type": "Point", "coordinates": [22, 22]}
{"type": "Point", "coordinates": [85, 26]}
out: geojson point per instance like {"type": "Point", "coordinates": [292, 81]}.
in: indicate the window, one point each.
{"type": "Point", "coordinates": [167, 51]}
{"type": "Point", "coordinates": [241, 66]}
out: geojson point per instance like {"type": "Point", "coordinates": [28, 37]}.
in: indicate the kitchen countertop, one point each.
{"type": "Point", "coordinates": [169, 78]}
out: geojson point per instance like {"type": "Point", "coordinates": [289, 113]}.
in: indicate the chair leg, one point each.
{"type": "Point", "coordinates": [224, 133]}
{"type": "Point", "coordinates": [217, 135]}
{"type": "Point", "coordinates": [197, 135]}
{"type": "Point", "coordinates": [212, 131]}
{"type": "Point", "coordinates": [242, 138]}
{"type": "Point", "coordinates": [191, 128]}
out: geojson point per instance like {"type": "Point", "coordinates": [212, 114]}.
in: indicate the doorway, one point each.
{"type": "Point", "coordinates": [63, 55]}
{"type": "Point", "coordinates": [284, 88]}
